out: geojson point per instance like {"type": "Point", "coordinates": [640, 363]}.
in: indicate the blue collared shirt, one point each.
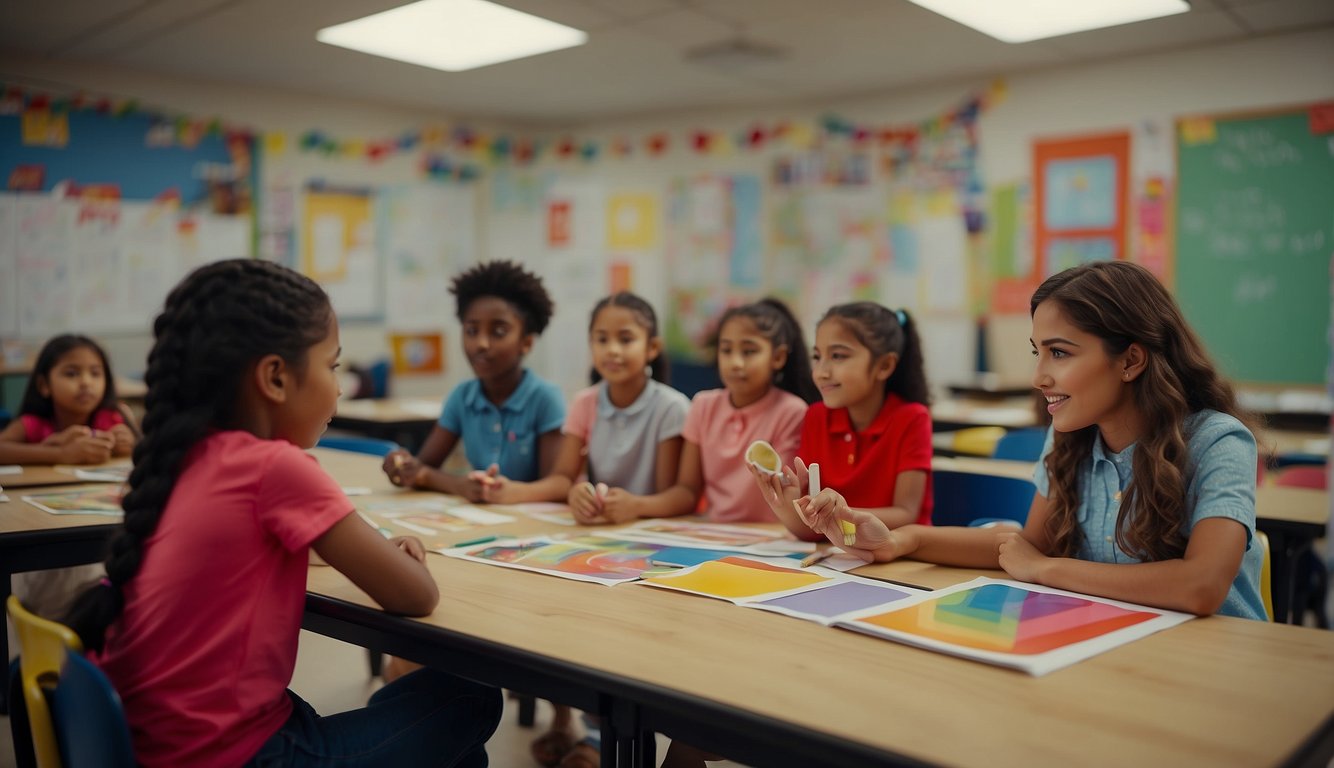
{"type": "Point", "coordinates": [508, 434]}
{"type": "Point", "coordinates": [1220, 482]}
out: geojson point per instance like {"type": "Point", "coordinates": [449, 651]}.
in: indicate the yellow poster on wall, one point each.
{"type": "Point", "coordinates": [632, 221]}
{"type": "Point", "coordinates": [335, 227]}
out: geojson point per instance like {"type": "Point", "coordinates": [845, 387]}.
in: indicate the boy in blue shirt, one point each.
{"type": "Point", "coordinates": [508, 418]}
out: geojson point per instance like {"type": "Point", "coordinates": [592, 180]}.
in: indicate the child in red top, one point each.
{"type": "Point", "coordinates": [196, 623]}
{"type": "Point", "coordinates": [69, 413]}
{"type": "Point", "coordinates": [871, 435]}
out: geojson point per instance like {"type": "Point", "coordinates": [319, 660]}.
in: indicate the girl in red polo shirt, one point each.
{"type": "Point", "coordinates": [871, 432]}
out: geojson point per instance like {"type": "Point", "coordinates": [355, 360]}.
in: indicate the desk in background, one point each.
{"type": "Point", "coordinates": [1215, 691]}
{"type": "Point", "coordinates": [958, 413]}
{"type": "Point", "coordinates": [406, 421]}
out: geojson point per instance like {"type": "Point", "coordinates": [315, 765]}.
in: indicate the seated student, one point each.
{"type": "Point", "coordinates": [508, 417]}
{"type": "Point", "coordinates": [766, 375]}
{"type": "Point", "coordinates": [627, 430]}
{"type": "Point", "coordinates": [69, 413]}
{"type": "Point", "coordinates": [196, 622]}
{"type": "Point", "coordinates": [871, 432]}
{"type": "Point", "coordinates": [1146, 488]}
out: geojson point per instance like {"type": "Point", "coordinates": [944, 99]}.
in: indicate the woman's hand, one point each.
{"type": "Point", "coordinates": [1019, 558]}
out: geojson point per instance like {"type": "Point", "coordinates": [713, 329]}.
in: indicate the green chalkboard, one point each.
{"type": "Point", "coordinates": [1255, 234]}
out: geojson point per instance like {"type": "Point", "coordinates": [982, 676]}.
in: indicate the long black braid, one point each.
{"type": "Point", "coordinates": [219, 320]}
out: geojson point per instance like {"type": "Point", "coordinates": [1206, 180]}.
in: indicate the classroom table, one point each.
{"type": "Point", "coordinates": [33, 475]}
{"type": "Point", "coordinates": [406, 421]}
{"type": "Point", "coordinates": [772, 690]}
{"type": "Point", "coordinates": [958, 413]}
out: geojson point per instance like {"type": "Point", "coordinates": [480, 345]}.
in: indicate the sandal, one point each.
{"type": "Point", "coordinates": [549, 748]}
{"type": "Point", "coordinates": [582, 755]}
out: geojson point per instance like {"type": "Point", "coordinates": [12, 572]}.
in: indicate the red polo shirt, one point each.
{"type": "Point", "coordinates": [864, 466]}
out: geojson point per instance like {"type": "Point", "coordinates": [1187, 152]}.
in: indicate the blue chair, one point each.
{"type": "Point", "coordinates": [1298, 459]}
{"type": "Point", "coordinates": [379, 372]}
{"type": "Point", "coordinates": [1021, 444]}
{"type": "Point", "coordinates": [970, 498]}
{"type": "Point", "coordinates": [367, 445]}
{"type": "Point", "coordinates": [73, 717]}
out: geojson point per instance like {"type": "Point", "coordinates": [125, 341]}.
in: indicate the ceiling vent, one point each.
{"type": "Point", "coordinates": [735, 54]}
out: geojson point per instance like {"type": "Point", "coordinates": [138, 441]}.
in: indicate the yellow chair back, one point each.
{"type": "Point", "coordinates": [977, 441]}
{"type": "Point", "coordinates": [42, 645]}
{"type": "Point", "coordinates": [1266, 584]}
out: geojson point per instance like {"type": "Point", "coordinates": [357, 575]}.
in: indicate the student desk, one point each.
{"type": "Point", "coordinates": [958, 413]}
{"type": "Point", "coordinates": [34, 475]}
{"type": "Point", "coordinates": [406, 421]}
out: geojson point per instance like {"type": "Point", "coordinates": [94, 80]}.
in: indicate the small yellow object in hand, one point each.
{"type": "Point", "coordinates": [849, 532]}
{"type": "Point", "coordinates": [764, 457]}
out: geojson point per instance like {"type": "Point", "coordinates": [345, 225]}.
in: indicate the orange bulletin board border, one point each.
{"type": "Point", "coordinates": [1045, 153]}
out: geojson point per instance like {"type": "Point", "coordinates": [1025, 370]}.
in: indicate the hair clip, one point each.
{"type": "Point", "coordinates": [902, 316]}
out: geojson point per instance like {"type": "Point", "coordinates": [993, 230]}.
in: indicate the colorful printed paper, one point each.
{"type": "Point", "coordinates": [1011, 624]}
{"type": "Point", "coordinates": [587, 558]}
{"type": "Point", "coordinates": [735, 578]}
{"type": "Point", "coordinates": [825, 604]}
{"type": "Point", "coordinates": [91, 501]}
{"type": "Point", "coordinates": [431, 517]}
{"type": "Point", "coordinates": [685, 533]}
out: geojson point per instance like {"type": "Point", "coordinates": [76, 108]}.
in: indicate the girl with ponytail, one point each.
{"type": "Point", "coordinates": [196, 622]}
{"type": "Point", "coordinates": [871, 432]}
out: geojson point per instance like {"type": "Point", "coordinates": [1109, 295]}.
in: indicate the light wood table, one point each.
{"type": "Point", "coordinates": [773, 690]}
{"type": "Point", "coordinates": [957, 413]}
{"type": "Point", "coordinates": [406, 421]}
{"type": "Point", "coordinates": [41, 474]}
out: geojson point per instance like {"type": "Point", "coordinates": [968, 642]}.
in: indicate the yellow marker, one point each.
{"type": "Point", "coordinates": [849, 532]}
{"type": "Point", "coordinates": [818, 557]}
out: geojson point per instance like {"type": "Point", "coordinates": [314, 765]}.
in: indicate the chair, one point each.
{"type": "Point", "coordinates": [1299, 459]}
{"type": "Point", "coordinates": [967, 498]}
{"type": "Point", "coordinates": [1021, 444]}
{"type": "Point", "coordinates": [1312, 584]}
{"type": "Point", "coordinates": [367, 445]}
{"type": "Point", "coordinates": [1266, 582]}
{"type": "Point", "coordinates": [75, 718]}
{"type": "Point", "coordinates": [977, 441]}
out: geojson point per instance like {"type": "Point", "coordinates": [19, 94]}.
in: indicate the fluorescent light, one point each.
{"type": "Point", "coordinates": [1018, 21]}
{"type": "Point", "coordinates": [452, 35]}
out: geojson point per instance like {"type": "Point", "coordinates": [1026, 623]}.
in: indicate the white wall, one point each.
{"type": "Point", "coordinates": [1143, 94]}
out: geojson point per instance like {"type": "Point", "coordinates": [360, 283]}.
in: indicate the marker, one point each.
{"type": "Point", "coordinates": [813, 475]}
{"type": "Point", "coordinates": [818, 557]}
{"type": "Point", "coordinates": [664, 564]}
{"type": "Point", "coordinates": [469, 543]}
{"type": "Point", "coordinates": [849, 532]}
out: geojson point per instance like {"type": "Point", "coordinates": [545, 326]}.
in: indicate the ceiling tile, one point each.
{"type": "Point", "coordinates": [1196, 27]}
{"type": "Point", "coordinates": [1273, 15]}
{"type": "Point", "coordinates": [41, 27]}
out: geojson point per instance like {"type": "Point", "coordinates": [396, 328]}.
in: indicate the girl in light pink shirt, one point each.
{"type": "Point", "coordinates": [761, 355]}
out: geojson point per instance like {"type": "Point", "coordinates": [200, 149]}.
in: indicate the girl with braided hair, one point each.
{"type": "Point", "coordinates": [1146, 487]}
{"type": "Point", "coordinates": [196, 622]}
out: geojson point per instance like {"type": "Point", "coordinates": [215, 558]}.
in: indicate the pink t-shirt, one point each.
{"type": "Point", "coordinates": [36, 429]}
{"type": "Point", "coordinates": [723, 433]}
{"type": "Point", "coordinates": [205, 648]}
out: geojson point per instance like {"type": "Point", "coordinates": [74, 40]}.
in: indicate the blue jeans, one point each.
{"type": "Point", "coordinates": [423, 718]}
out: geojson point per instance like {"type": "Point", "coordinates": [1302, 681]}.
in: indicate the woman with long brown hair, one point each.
{"type": "Point", "coordinates": [1146, 487]}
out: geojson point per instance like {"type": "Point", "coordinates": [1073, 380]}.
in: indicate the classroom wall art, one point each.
{"type": "Point", "coordinates": [1081, 187]}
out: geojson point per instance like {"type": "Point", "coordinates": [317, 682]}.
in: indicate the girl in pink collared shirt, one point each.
{"type": "Point", "coordinates": [767, 386]}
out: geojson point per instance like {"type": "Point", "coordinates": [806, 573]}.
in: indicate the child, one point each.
{"type": "Point", "coordinates": [1146, 488]}
{"type": "Point", "coordinates": [69, 413]}
{"type": "Point", "coordinates": [871, 434]}
{"type": "Point", "coordinates": [509, 418]}
{"type": "Point", "coordinates": [196, 623]}
{"type": "Point", "coordinates": [628, 429]}
{"type": "Point", "coordinates": [767, 386]}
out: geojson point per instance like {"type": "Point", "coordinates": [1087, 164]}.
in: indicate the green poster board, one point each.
{"type": "Point", "coordinates": [1255, 235]}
